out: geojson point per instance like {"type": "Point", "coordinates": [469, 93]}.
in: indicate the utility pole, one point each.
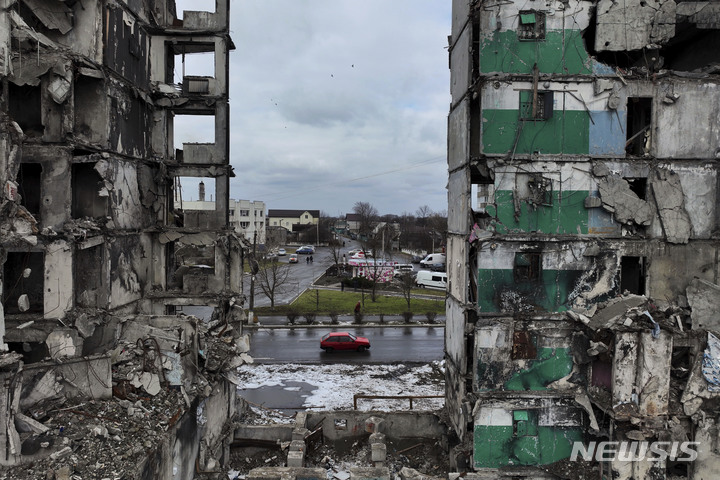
{"type": "Point", "coordinates": [252, 280]}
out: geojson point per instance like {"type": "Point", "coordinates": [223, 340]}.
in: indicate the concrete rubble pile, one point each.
{"type": "Point", "coordinates": [121, 413]}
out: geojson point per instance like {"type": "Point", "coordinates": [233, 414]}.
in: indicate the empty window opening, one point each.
{"type": "Point", "coordinates": [29, 181]}
{"type": "Point", "coordinates": [536, 105]}
{"type": "Point", "coordinates": [195, 202]}
{"type": "Point", "coordinates": [602, 374]}
{"type": "Point", "coordinates": [525, 423]}
{"type": "Point", "coordinates": [88, 274]}
{"type": "Point", "coordinates": [31, 352]}
{"type": "Point", "coordinates": [632, 275]}
{"type": "Point", "coordinates": [86, 186]}
{"type": "Point", "coordinates": [526, 267]}
{"type": "Point", "coordinates": [90, 105]}
{"type": "Point", "coordinates": [531, 25]}
{"type": "Point", "coordinates": [194, 131]}
{"type": "Point", "coordinates": [193, 61]}
{"type": "Point", "coordinates": [195, 193]}
{"type": "Point", "coordinates": [638, 186]}
{"type": "Point", "coordinates": [677, 469]}
{"type": "Point", "coordinates": [476, 50]}
{"type": "Point", "coordinates": [681, 362]}
{"type": "Point", "coordinates": [25, 108]}
{"type": "Point", "coordinates": [23, 282]}
{"type": "Point", "coordinates": [482, 187]}
{"type": "Point", "coordinates": [182, 6]}
{"type": "Point", "coordinates": [524, 345]}
{"type": "Point", "coordinates": [191, 265]}
{"type": "Point", "coordinates": [639, 119]}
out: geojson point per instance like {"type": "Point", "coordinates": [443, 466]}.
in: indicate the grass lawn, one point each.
{"type": "Point", "coordinates": [323, 302]}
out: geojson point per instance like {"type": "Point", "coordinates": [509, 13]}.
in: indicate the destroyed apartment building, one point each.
{"type": "Point", "coordinates": [583, 297]}
{"type": "Point", "coordinates": [103, 376]}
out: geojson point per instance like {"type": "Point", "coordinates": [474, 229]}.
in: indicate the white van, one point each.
{"type": "Point", "coordinates": [433, 260]}
{"type": "Point", "coordinates": [426, 278]}
{"type": "Point", "coordinates": [402, 268]}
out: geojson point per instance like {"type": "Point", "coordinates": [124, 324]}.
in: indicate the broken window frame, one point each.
{"type": "Point", "coordinates": [527, 267]}
{"type": "Point", "coordinates": [524, 345]}
{"type": "Point", "coordinates": [14, 279]}
{"type": "Point", "coordinates": [544, 102]}
{"type": "Point", "coordinates": [525, 423]}
{"type": "Point", "coordinates": [639, 126]}
{"type": "Point", "coordinates": [638, 185]}
{"type": "Point", "coordinates": [81, 186]}
{"type": "Point", "coordinates": [29, 181]}
{"type": "Point", "coordinates": [625, 270]}
{"type": "Point", "coordinates": [531, 29]}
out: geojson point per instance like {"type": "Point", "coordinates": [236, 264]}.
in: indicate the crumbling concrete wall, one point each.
{"type": "Point", "coordinates": [634, 25]}
{"type": "Point", "coordinates": [518, 432]}
{"type": "Point", "coordinates": [590, 186]}
{"type": "Point", "coordinates": [83, 210]}
{"type": "Point", "coordinates": [528, 356]}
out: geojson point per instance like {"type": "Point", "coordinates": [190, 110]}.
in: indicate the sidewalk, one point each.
{"type": "Point", "coordinates": [348, 320]}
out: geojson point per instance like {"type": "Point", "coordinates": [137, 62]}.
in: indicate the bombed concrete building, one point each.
{"type": "Point", "coordinates": [583, 237]}
{"type": "Point", "coordinates": [102, 373]}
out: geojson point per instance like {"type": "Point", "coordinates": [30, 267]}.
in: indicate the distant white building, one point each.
{"type": "Point", "coordinates": [248, 217]}
{"type": "Point", "coordinates": [244, 216]}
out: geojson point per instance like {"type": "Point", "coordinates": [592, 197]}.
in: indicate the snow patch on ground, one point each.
{"type": "Point", "coordinates": [332, 386]}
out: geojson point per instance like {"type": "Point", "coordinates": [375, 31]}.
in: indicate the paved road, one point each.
{"type": "Point", "coordinates": [388, 345]}
{"type": "Point", "coordinates": [302, 274]}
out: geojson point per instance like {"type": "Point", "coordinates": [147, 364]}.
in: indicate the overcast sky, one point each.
{"type": "Point", "coordinates": [333, 102]}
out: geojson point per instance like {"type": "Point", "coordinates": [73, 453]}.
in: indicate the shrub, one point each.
{"type": "Point", "coordinates": [382, 317]}
{"type": "Point", "coordinates": [334, 317]}
{"type": "Point", "coordinates": [407, 316]}
{"type": "Point", "coordinates": [309, 318]}
{"type": "Point", "coordinates": [357, 282]}
{"type": "Point", "coordinates": [292, 315]}
{"type": "Point", "coordinates": [430, 316]}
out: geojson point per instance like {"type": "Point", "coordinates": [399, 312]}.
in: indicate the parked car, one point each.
{"type": "Point", "coordinates": [343, 341]}
{"type": "Point", "coordinates": [426, 278]}
{"type": "Point", "coordinates": [305, 249]}
{"type": "Point", "coordinates": [282, 252]}
{"type": "Point", "coordinates": [416, 259]}
{"type": "Point", "coordinates": [293, 258]}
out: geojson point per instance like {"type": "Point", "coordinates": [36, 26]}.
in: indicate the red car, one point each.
{"type": "Point", "coordinates": [343, 341]}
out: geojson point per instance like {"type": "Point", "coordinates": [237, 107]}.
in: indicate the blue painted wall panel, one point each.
{"type": "Point", "coordinates": [607, 133]}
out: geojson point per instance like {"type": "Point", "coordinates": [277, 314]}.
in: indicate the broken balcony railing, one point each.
{"type": "Point", "coordinates": [391, 397]}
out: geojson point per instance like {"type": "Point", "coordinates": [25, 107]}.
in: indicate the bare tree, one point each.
{"type": "Point", "coordinates": [271, 278]}
{"type": "Point", "coordinates": [368, 217]}
{"type": "Point", "coordinates": [335, 251]}
{"type": "Point", "coordinates": [407, 283]}
{"type": "Point", "coordinates": [423, 213]}
{"type": "Point", "coordinates": [271, 275]}
{"type": "Point", "coordinates": [437, 224]}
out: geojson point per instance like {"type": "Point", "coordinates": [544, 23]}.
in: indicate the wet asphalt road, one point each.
{"type": "Point", "coordinates": [388, 345]}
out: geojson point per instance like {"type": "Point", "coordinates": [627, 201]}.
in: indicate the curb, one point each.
{"type": "Point", "coordinates": [343, 325]}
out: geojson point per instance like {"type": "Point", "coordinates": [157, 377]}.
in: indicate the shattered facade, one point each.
{"type": "Point", "coordinates": [583, 236]}
{"type": "Point", "coordinates": [96, 262]}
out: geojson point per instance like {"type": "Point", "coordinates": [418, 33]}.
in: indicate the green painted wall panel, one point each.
{"type": "Point", "coordinates": [565, 132]}
{"type": "Point", "coordinates": [560, 52]}
{"type": "Point", "coordinates": [496, 446]}
{"type": "Point", "coordinates": [564, 214]}
{"type": "Point", "coordinates": [548, 294]}
{"type": "Point", "coordinates": [552, 364]}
